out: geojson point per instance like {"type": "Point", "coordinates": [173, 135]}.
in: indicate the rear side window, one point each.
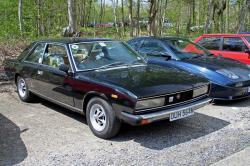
{"type": "Point", "coordinates": [25, 51]}
{"type": "Point", "coordinates": [234, 44]}
{"type": "Point", "coordinates": [36, 54]}
{"type": "Point", "coordinates": [210, 43]}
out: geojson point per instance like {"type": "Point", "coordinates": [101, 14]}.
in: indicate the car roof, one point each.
{"type": "Point", "coordinates": [225, 35]}
{"type": "Point", "coordinates": [158, 38]}
{"type": "Point", "coordinates": [73, 40]}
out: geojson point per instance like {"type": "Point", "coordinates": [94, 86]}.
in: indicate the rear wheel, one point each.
{"type": "Point", "coordinates": [102, 119]}
{"type": "Point", "coordinates": [23, 90]}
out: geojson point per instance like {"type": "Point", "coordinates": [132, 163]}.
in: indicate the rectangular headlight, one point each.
{"type": "Point", "coordinates": [200, 91]}
{"type": "Point", "coordinates": [150, 103]}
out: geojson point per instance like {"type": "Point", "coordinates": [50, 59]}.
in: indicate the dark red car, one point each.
{"type": "Point", "coordinates": [234, 46]}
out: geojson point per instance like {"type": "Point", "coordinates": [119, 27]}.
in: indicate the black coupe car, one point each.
{"type": "Point", "coordinates": [107, 81]}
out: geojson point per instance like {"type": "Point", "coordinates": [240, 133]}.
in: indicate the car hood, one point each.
{"type": "Point", "coordinates": [147, 80]}
{"type": "Point", "coordinates": [217, 63]}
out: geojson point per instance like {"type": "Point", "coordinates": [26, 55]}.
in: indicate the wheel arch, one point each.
{"type": "Point", "coordinates": [15, 77]}
{"type": "Point", "coordinates": [91, 95]}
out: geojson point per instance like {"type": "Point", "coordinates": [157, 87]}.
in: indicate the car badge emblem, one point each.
{"type": "Point", "coordinates": [178, 96]}
{"type": "Point", "coordinates": [171, 99]}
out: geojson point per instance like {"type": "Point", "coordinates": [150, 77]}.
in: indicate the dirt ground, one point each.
{"type": "Point", "coordinates": [42, 133]}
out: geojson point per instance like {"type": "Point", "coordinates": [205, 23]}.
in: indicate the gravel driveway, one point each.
{"type": "Point", "coordinates": [42, 133]}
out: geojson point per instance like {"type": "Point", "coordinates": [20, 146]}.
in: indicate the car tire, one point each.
{"type": "Point", "coordinates": [102, 119]}
{"type": "Point", "coordinates": [23, 90]}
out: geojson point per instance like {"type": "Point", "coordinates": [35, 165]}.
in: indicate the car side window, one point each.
{"type": "Point", "coordinates": [36, 54]}
{"type": "Point", "coordinates": [150, 46]}
{"type": "Point", "coordinates": [55, 55]}
{"type": "Point", "coordinates": [235, 44]}
{"type": "Point", "coordinates": [210, 43]}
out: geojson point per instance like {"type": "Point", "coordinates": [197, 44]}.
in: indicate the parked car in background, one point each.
{"type": "Point", "coordinates": [234, 46]}
{"type": "Point", "coordinates": [230, 78]}
{"type": "Point", "coordinates": [168, 24]}
{"type": "Point", "coordinates": [90, 77]}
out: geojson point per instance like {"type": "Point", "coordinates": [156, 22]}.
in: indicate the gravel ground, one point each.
{"type": "Point", "coordinates": [42, 133]}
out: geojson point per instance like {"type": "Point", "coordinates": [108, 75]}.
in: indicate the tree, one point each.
{"type": "Point", "coordinates": [71, 29]}
{"type": "Point", "coordinates": [115, 2]}
{"type": "Point", "coordinates": [130, 17]}
{"type": "Point", "coordinates": [244, 9]}
{"type": "Point", "coordinates": [209, 15]}
{"type": "Point", "coordinates": [20, 16]}
{"type": "Point", "coordinates": [137, 30]}
{"type": "Point", "coordinates": [153, 9]}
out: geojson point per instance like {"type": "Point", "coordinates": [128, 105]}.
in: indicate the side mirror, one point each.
{"type": "Point", "coordinates": [247, 50]}
{"type": "Point", "coordinates": [64, 68]}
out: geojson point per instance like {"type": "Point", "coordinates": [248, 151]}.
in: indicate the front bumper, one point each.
{"type": "Point", "coordinates": [162, 114]}
{"type": "Point", "coordinates": [219, 92]}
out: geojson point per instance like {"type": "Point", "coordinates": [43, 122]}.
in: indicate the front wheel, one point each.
{"type": "Point", "coordinates": [23, 90]}
{"type": "Point", "coordinates": [102, 119]}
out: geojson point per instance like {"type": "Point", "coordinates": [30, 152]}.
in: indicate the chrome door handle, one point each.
{"type": "Point", "coordinates": [40, 72]}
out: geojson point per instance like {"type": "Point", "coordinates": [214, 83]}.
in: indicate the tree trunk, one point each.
{"type": "Point", "coordinates": [123, 18]}
{"type": "Point", "coordinates": [115, 2]}
{"type": "Point", "coordinates": [138, 18]}
{"type": "Point", "coordinates": [228, 15]}
{"type": "Point", "coordinates": [245, 8]}
{"type": "Point", "coordinates": [20, 16]}
{"type": "Point", "coordinates": [153, 9]}
{"type": "Point", "coordinates": [71, 17]}
{"type": "Point", "coordinates": [130, 17]}
{"type": "Point", "coordinates": [209, 16]}
{"type": "Point", "coordinates": [193, 13]}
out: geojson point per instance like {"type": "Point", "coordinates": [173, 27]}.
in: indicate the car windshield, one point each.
{"type": "Point", "coordinates": [103, 54]}
{"type": "Point", "coordinates": [185, 49]}
{"type": "Point", "coordinates": [248, 39]}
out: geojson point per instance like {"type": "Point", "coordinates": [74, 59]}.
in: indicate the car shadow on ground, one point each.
{"type": "Point", "coordinates": [12, 148]}
{"type": "Point", "coordinates": [77, 116]}
{"type": "Point", "coordinates": [236, 103]}
{"type": "Point", "coordinates": [166, 134]}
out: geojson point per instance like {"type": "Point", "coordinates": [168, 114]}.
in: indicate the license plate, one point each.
{"type": "Point", "coordinates": [249, 89]}
{"type": "Point", "coordinates": [181, 114]}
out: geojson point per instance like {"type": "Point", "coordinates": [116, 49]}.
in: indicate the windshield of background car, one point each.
{"type": "Point", "coordinates": [185, 49]}
{"type": "Point", "coordinates": [103, 54]}
{"type": "Point", "coordinates": [248, 39]}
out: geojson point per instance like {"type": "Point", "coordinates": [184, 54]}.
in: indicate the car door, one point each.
{"type": "Point", "coordinates": [234, 48]}
{"type": "Point", "coordinates": [213, 44]}
{"type": "Point", "coordinates": [31, 64]}
{"type": "Point", "coordinates": [54, 83]}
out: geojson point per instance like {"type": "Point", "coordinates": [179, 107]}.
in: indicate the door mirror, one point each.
{"type": "Point", "coordinates": [247, 50]}
{"type": "Point", "coordinates": [64, 68]}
